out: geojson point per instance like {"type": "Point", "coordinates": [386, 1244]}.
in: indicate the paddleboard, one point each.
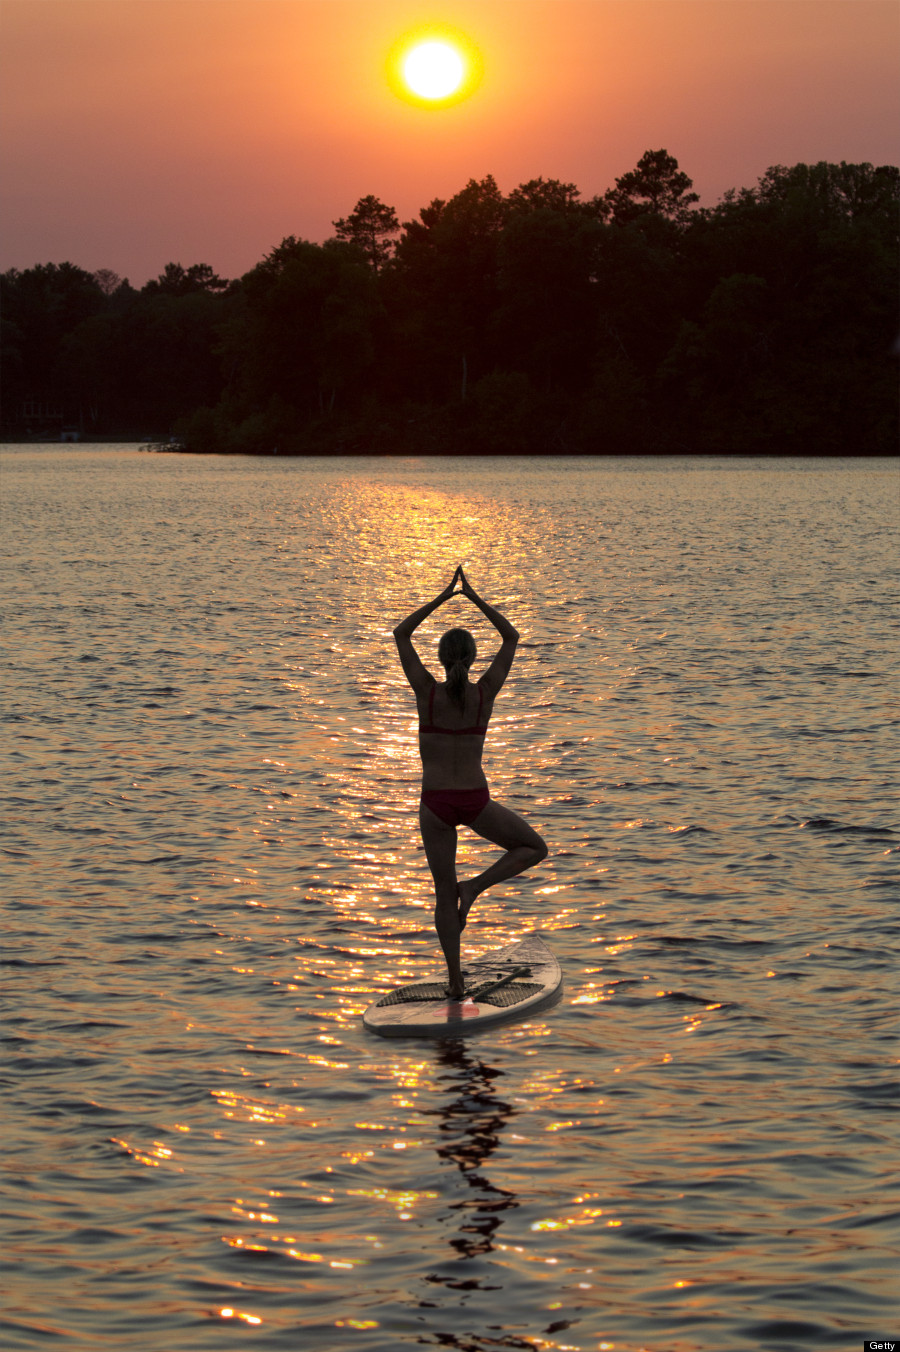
{"type": "Point", "coordinates": [512, 983]}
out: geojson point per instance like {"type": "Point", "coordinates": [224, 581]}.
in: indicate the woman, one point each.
{"type": "Point", "coordinates": [453, 719]}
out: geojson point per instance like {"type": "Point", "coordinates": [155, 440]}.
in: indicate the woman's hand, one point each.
{"type": "Point", "coordinates": [500, 622]}
{"type": "Point", "coordinates": [467, 588]}
{"type": "Point", "coordinates": [416, 674]}
{"type": "Point", "coordinates": [450, 589]}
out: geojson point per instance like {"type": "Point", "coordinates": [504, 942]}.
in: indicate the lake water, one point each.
{"type": "Point", "coordinates": [212, 866]}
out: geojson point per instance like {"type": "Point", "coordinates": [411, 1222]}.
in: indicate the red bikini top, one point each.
{"type": "Point", "coordinates": [478, 730]}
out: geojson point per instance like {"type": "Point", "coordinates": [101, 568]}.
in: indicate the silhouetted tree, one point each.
{"type": "Point", "coordinates": [546, 194]}
{"type": "Point", "coordinates": [846, 193]}
{"type": "Point", "coordinates": [546, 313]}
{"type": "Point", "coordinates": [640, 282]}
{"type": "Point", "coordinates": [178, 281]}
{"type": "Point", "coordinates": [535, 321]}
{"type": "Point", "coordinates": [657, 187]}
{"type": "Point", "coordinates": [447, 263]}
{"type": "Point", "coordinates": [40, 306]}
{"type": "Point", "coordinates": [371, 226]}
{"type": "Point", "coordinates": [788, 348]}
{"type": "Point", "coordinates": [107, 280]}
{"type": "Point", "coordinates": [299, 343]}
{"type": "Point", "coordinates": [146, 362]}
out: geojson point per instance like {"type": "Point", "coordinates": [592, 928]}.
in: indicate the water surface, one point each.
{"type": "Point", "coordinates": [212, 866]}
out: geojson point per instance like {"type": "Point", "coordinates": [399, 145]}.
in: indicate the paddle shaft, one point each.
{"type": "Point", "coordinates": [495, 985]}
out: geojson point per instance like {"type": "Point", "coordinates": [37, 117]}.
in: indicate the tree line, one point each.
{"type": "Point", "coordinates": [532, 322]}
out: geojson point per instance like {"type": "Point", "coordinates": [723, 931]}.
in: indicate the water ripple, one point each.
{"type": "Point", "coordinates": [211, 868]}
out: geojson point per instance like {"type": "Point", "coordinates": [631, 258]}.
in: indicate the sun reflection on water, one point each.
{"type": "Point", "coordinates": [228, 1313]}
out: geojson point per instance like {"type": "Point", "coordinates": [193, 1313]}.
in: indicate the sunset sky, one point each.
{"type": "Point", "coordinates": [139, 132]}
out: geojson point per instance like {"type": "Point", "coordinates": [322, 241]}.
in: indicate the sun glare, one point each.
{"type": "Point", "coordinates": [434, 67]}
{"type": "Point", "coordinates": [433, 70]}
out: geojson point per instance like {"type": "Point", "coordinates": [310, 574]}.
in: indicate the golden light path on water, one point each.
{"type": "Point", "coordinates": [220, 869]}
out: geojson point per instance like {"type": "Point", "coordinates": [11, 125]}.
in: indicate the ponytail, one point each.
{"type": "Point", "coordinates": [456, 653]}
{"type": "Point", "coordinates": [457, 681]}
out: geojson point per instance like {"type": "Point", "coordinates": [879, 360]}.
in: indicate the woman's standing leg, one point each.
{"type": "Point", "coordinates": [439, 840]}
{"type": "Point", "coordinates": [524, 848]}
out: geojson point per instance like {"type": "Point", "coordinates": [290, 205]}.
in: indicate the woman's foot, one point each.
{"type": "Point", "coordinates": [467, 894]}
{"type": "Point", "coordinates": [454, 993]}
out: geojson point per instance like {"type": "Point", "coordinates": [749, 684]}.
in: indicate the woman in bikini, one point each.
{"type": "Point", "coordinates": [453, 719]}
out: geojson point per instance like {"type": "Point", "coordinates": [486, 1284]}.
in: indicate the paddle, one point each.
{"type": "Point", "coordinates": [495, 984]}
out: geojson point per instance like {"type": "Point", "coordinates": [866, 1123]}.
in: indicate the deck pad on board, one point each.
{"type": "Point", "coordinates": [515, 982]}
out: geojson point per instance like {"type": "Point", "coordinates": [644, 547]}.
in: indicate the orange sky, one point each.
{"type": "Point", "coordinates": [139, 132]}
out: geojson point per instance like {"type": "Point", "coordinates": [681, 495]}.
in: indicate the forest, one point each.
{"type": "Point", "coordinates": [538, 322]}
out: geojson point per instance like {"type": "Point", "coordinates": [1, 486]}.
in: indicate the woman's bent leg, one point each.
{"type": "Point", "coordinates": [439, 840]}
{"type": "Point", "coordinates": [524, 848]}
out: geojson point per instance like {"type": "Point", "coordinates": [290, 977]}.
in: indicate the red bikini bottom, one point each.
{"type": "Point", "coordinates": [456, 807]}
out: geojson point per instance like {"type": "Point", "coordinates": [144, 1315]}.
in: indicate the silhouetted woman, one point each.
{"type": "Point", "coordinates": [453, 719]}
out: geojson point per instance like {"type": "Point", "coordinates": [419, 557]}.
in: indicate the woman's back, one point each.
{"type": "Point", "coordinates": [451, 739]}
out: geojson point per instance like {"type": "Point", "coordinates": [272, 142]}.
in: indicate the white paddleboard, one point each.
{"type": "Point", "coordinates": [513, 983]}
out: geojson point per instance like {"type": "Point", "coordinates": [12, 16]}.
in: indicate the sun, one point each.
{"type": "Point", "coordinates": [434, 67]}
{"type": "Point", "coordinates": [434, 70]}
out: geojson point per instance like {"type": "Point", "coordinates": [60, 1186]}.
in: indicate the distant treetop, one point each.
{"type": "Point", "coordinates": [370, 225]}
{"type": "Point", "coordinates": [178, 281]}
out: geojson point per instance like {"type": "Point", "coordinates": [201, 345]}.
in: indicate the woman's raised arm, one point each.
{"type": "Point", "coordinates": [497, 672]}
{"type": "Point", "coordinates": [415, 672]}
